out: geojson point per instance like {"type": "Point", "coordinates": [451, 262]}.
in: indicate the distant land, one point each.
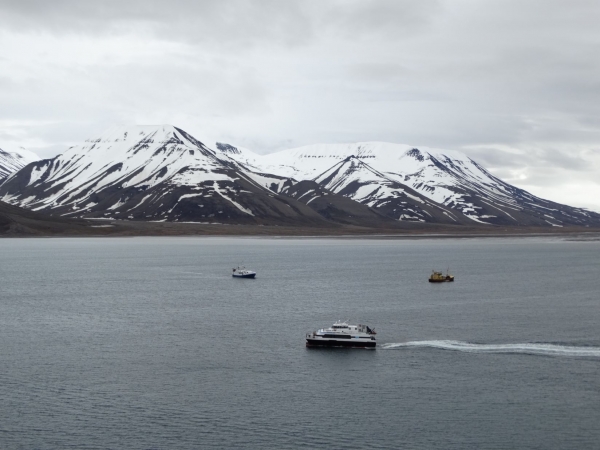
{"type": "Point", "coordinates": [147, 179]}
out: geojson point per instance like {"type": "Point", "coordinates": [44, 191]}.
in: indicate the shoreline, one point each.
{"type": "Point", "coordinates": [174, 229]}
{"type": "Point", "coordinates": [18, 222]}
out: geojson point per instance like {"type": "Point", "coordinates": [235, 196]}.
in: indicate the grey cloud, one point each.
{"type": "Point", "coordinates": [242, 22]}
{"type": "Point", "coordinates": [546, 158]}
{"type": "Point", "coordinates": [236, 21]}
{"type": "Point", "coordinates": [389, 19]}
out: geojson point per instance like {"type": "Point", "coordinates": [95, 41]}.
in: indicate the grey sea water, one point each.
{"type": "Point", "coordinates": [148, 343]}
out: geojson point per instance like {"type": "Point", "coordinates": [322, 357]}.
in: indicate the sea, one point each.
{"type": "Point", "coordinates": [149, 343]}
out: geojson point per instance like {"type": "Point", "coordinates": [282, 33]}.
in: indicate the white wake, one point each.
{"type": "Point", "coordinates": [530, 349]}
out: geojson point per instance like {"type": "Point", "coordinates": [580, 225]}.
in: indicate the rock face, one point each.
{"type": "Point", "coordinates": [424, 185]}
{"type": "Point", "coordinates": [336, 208]}
{"type": "Point", "coordinates": [153, 173]}
{"type": "Point", "coordinates": [11, 162]}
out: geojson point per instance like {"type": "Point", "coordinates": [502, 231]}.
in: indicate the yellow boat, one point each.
{"type": "Point", "coordinates": [439, 277]}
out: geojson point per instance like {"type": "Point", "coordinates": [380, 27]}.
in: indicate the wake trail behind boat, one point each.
{"type": "Point", "coordinates": [526, 348]}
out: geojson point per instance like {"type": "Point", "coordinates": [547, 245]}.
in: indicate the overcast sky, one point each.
{"type": "Point", "coordinates": [514, 84]}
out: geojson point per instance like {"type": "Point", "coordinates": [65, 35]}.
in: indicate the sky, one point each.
{"type": "Point", "coordinates": [513, 84]}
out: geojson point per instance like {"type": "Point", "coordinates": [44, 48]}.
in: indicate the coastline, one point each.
{"type": "Point", "coordinates": [403, 231]}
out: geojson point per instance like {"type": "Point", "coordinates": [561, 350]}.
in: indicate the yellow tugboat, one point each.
{"type": "Point", "coordinates": [439, 277]}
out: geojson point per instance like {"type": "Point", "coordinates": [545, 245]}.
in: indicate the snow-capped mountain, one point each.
{"type": "Point", "coordinates": [11, 162]}
{"type": "Point", "coordinates": [161, 173]}
{"type": "Point", "coordinates": [424, 184]}
{"type": "Point", "coordinates": [156, 173]}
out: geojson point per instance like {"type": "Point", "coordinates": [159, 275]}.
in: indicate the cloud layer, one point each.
{"type": "Point", "coordinates": [515, 85]}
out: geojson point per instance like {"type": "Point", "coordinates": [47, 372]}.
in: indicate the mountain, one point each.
{"type": "Point", "coordinates": [410, 184]}
{"type": "Point", "coordinates": [163, 174]}
{"type": "Point", "coordinates": [11, 162]}
{"type": "Point", "coordinates": [152, 173]}
{"type": "Point", "coordinates": [350, 177]}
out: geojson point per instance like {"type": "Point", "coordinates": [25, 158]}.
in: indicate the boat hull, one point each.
{"type": "Point", "coordinates": [249, 275]}
{"type": "Point", "coordinates": [339, 343]}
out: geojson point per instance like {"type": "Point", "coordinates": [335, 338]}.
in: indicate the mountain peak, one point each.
{"type": "Point", "coordinates": [134, 133]}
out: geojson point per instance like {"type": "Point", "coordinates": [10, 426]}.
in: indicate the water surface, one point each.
{"type": "Point", "coordinates": [149, 343]}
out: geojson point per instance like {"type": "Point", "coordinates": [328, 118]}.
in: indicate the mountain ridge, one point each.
{"type": "Point", "coordinates": [161, 173]}
{"type": "Point", "coordinates": [446, 178]}
{"type": "Point", "coordinates": [153, 173]}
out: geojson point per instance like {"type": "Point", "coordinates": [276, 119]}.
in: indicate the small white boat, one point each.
{"type": "Point", "coordinates": [340, 334]}
{"type": "Point", "coordinates": [242, 272]}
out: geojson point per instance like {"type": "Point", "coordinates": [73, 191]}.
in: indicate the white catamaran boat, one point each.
{"type": "Point", "coordinates": [340, 334]}
{"type": "Point", "coordinates": [242, 272]}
